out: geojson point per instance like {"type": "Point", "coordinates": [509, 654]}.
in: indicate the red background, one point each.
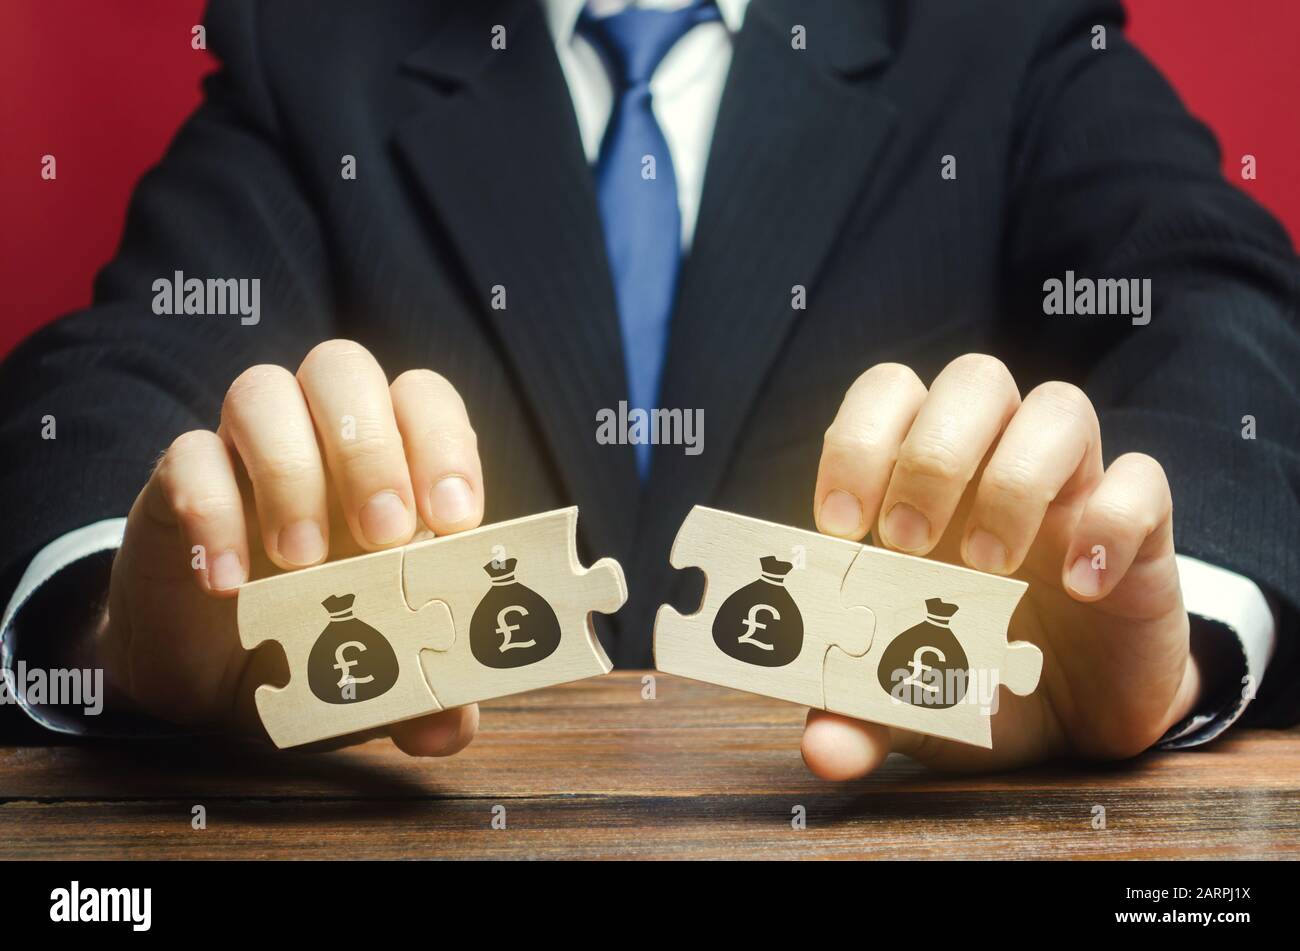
{"type": "Point", "coordinates": [103, 85]}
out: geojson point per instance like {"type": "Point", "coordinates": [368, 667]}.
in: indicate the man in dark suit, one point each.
{"type": "Point", "coordinates": [961, 275]}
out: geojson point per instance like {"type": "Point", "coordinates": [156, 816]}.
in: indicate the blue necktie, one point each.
{"type": "Point", "coordinates": [640, 215]}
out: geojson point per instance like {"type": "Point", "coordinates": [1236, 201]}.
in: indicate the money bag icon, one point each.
{"type": "Point", "coordinates": [760, 623]}
{"type": "Point", "coordinates": [512, 626]}
{"type": "Point", "coordinates": [350, 661]}
{"type": "Point", "coordinates": [925, 665]}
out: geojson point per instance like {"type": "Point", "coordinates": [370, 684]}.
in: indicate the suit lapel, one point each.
{"type": "Point", "coordinates": [496, 150]}
{"type": "Point", "coordinates": [796, 135]}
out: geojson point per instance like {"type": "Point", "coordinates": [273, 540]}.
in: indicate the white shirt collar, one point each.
{"type": "Point", "coordinates": [562, 15]}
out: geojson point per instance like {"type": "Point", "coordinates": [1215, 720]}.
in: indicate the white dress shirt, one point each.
{"type": "Point", "coordinates": [686, 89]}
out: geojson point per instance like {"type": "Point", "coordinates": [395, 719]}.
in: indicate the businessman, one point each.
{"type": "Point", "coordinates": [963, 277]}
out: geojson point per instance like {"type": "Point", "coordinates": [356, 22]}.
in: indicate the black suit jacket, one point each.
{"type": "Point", "coordinates": [824, 172]}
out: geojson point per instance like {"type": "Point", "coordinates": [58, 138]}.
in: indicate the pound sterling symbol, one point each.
{"type": "Point", "coordinates": [921, 670]}
{"type": "Point", "coordinates": [752, 624]}
{"type": "Point", "coordinates": [344, 666]}
{"type": "Point", "coordinates": [505, 628]}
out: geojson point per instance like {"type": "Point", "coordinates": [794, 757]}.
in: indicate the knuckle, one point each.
{"type": "Point", "coordinates": [1013, 486]}
{"type": "Point", "coordinates": [285, 473]}
{"type": "Point", "coordinates": [253, 383]}
{"type": "Point", "coordinates": [441, 446]}
{"type": "Point", "coordinates": [191, 443]}
{"type": "Point", "coordinates": [421, 379]}
{"type": "Point", "coordinates": [980, 367]}
{"type": "Point", "coordinates": [205, 510]}
{"type": "Point", "coordinates": [889, 376]}
{"type": "Point", "coordinates": [930, 459]}
{"type": "Point", "coordinates": [369, 449]}
{"type": "Point", "coordinates": [854, 444]}
{"type": "Point", "coordinates": [1116, 520]}
{"type": "Point", "coordinates": [1065, 397]}
{"type": "Point", "coordinates": [1144, 465]}
{"type": "Point", "coordinates": [334, 352]}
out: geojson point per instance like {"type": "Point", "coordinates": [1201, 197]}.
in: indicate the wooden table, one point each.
{"type": "Point", "coordinates": [592, 770]}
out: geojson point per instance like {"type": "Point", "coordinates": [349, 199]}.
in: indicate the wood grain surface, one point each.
{"type": "Point", "coordinates": [593, 770]}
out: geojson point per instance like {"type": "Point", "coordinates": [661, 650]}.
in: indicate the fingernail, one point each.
{"type": "Point", "coordinates": [225, 572]}
{"type": "Point", "coordinates": [906, 529]}
{"type": "Point", "coordinates": [384, 519]}
{"type": "Point", "coordinates": [985, 552]}
{"type": "Point", "coordinates": [301, 543]}
{"type": "Point", "coordinates": [451, 500]}
{"type": "Point", "coordinates": [1084, 578]}
{"type": "Point", "coordinates": [841, 514]}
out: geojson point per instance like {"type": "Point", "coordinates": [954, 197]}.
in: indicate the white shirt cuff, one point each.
{"type": "Point", "coordinates": [49, 561]}
{"type": "Point", "coordinates": [1237, 603]}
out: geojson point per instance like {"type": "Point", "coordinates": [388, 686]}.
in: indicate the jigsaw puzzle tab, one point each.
{"type": "Point", "coordinates": [771, 609]}
{"type": "Point", "coordinates": [521, 603]}
{"type": "Point", "coordinates": [352, 645]}
{"type": "Point", "coordinates": [940, 648]}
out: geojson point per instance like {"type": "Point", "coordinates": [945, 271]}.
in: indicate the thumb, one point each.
{"type": "Point", "coordinates": [839, 748]}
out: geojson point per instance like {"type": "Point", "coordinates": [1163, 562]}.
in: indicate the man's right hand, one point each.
{"type": "Point", "coordinates": [303, 469]}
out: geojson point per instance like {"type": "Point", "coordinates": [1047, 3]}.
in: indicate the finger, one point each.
{"type": "Point", "coordinates": [439, 734]}
{"type": "Point", "coordinates": [839, 748]}
{"type": "Point", "coordinates": [265, 419]}
{"type": "Point", "coordinates": [441, 451]}
{"type": "Point", "coordinates": [1051, 450]}
{"type": "Point", "coordinates": [969, 403]}
{"type": "Point", "coordinates": [1128, 518]}
{"type": "Point", "coordinates": [347, 393]}
{"type": "Point", "coordinates": [194, 487]}
{"type": "Point", "coordinates": [860, 447]}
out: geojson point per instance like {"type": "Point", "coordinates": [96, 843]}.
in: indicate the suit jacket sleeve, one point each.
{"type": "Point", "coordinates": [1112, 178]}
{"type": "Point", "coordinates": [118, 382]}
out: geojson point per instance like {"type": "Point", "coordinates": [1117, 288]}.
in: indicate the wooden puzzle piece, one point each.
{"type": "Point", "coordinates": [940, 648]}
{"type": "Point", "coordinates": [771, 609]}
{"type": "Point", "coordinates": [521, 603]}
{"type": "Point", "coordinates": [352, 646]}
